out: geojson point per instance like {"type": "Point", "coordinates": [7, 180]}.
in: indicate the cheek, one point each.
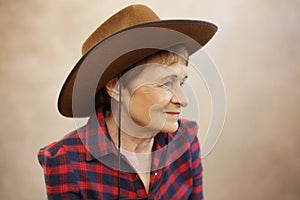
{"type": "Point", "coordinates": [150, 97]}
{"type": "Point", "coordinates": [145, 100]}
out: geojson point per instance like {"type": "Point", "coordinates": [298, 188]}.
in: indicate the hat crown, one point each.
{"type": "Point", "coordinates": [127, 17]}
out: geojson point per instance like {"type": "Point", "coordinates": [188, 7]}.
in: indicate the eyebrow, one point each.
{"type": "Point", "coordinates": [174, 76]}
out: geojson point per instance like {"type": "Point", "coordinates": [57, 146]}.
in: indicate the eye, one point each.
{"type": "Point", "coordinates": [167, 84]}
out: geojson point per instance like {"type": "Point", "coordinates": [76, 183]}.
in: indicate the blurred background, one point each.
{"type": "Point", "coordinates": [256, 49]}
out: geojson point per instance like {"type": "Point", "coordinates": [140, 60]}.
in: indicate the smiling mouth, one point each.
{"type": "Point", "coordinates": [174, 114]}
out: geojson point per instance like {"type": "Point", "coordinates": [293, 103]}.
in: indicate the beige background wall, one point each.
{"type": "Point", "coordinates": [256, 49]}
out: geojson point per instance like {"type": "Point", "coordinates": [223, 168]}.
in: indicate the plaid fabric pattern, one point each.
{"type": "Point", "coordinates": [84, 165]}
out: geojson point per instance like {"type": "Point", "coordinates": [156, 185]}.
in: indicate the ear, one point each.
{"type": "Point", "coordinates": [112, 88]}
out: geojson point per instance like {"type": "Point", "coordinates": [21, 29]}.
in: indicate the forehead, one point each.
{"type": "Point", "coordinates": [157, 71]}
{"type": "Point", "coordinates": [156, 68]}
{"type": "Point", "coordinates": [153, 72]}
{"type": "Point", "coordinates": [163, 64]}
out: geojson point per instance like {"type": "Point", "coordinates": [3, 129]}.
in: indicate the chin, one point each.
{"type": "Point", "coordinates": [170, 127]}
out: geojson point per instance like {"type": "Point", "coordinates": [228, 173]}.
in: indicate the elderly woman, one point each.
{"type": "Point", "coordinates": [135, 144]}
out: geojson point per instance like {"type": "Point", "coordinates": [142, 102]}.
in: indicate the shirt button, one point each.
{"type": "Point", "coordinates": [155, 173]}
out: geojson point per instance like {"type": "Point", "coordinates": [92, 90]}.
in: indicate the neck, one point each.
{"type": "Point", "coordinates": [128, 141]}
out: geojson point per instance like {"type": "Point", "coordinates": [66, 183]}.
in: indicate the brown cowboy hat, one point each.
{"type": "Point", "coordinates": [125, 38]}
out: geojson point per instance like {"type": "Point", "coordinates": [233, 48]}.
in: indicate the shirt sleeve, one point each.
{"type": "Point", "coordinates": [61, 183]}
{"type": "Point", "coordinates": [197, 191]}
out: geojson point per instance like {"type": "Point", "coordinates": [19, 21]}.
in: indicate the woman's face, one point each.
{"type": "Point", "coordinates": [153, 97]}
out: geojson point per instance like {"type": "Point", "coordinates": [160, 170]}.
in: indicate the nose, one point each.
{"type": "Point", "coordinates": [179, 97]}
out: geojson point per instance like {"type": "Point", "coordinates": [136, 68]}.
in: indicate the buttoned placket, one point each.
{"type": "Point", "coordinates": [155, 177]}
{"type": "Point", "coordinates": [138, 183]}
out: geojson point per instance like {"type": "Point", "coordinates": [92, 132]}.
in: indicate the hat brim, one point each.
{"type": "Point", "coordinates": [121, 50]}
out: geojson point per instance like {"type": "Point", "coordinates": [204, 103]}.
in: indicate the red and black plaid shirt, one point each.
{"type": "Point", "coordinates": [84, 165]}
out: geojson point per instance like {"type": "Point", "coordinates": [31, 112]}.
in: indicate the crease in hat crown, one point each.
{"type": "Point", "coordinates": [127, 17]}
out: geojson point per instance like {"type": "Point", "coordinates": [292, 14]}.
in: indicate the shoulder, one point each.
{"type": "Point", "coordinates": [57, 163]}
{"type": "Point", "coordinates": [59, 152]}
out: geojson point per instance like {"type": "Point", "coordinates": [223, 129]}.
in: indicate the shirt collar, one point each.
{"type": "Point", "coordinates": [99, 143]}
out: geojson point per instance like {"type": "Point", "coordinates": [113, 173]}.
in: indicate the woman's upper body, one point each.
{"type": "Point", "coordinates": [83, 165]}
{"type": "Point", "coordinates": [135, 144]}
{"type": "Point", "coordinates": [160, 152]}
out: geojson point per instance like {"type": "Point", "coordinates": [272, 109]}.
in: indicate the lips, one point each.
{"type": "Point", "coordinates": [174, 114]}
